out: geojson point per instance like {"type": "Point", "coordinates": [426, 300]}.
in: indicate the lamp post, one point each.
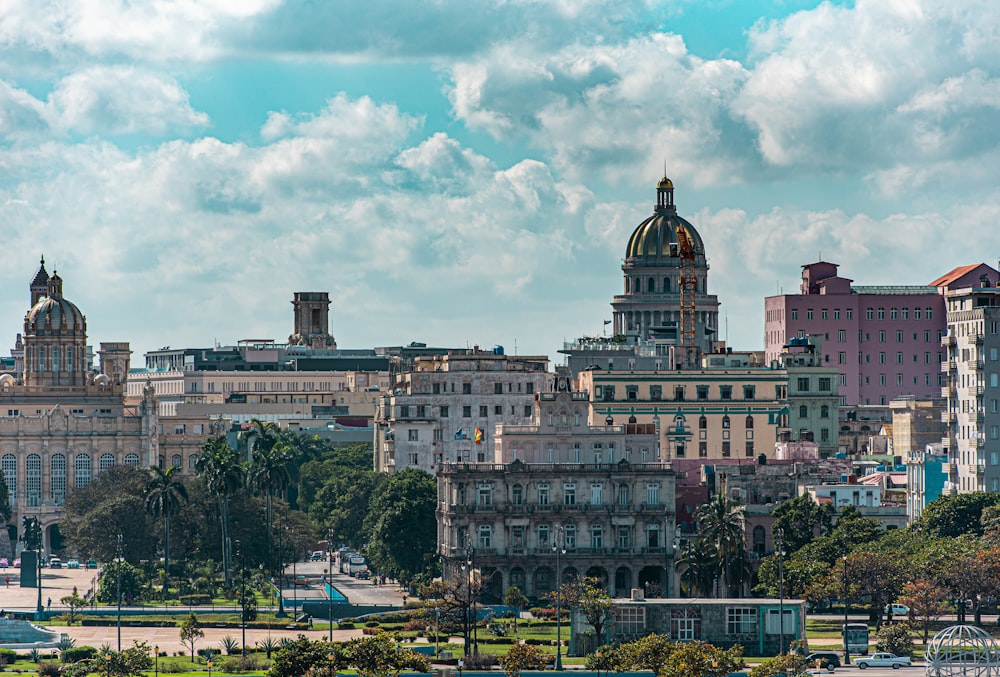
{"type": "Point", "coordinates": [241, 599]}
{"type": "Point", "coordinates": [281, 573]}
{"type": "Point", "coordinates": [847, 651]}
{"type": "Point", "coordinates": [107, 664]}
{"type": "Point", "coordinates": [209, 667]}
{"type": "Point", "coordinates": [329, 578]}
{"type": "Point", "coordinates": [118, 592]}
{"type": "Point", "coordinates": [779, 547]}
{"type": "Point", "coordinates": [156, 660]}
{"type": "Point", "coordinates": [329, 666]}
{"type": "Point", "coordinates": [470, 612]}
{"type": "Point", "coordinates": [559, 548]}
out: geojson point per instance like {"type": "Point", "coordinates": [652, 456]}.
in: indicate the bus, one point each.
{"type": "Point", "coordinates": [856, 637]}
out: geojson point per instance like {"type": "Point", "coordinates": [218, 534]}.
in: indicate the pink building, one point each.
{"type": "Point", "coordinates": [884, 340]}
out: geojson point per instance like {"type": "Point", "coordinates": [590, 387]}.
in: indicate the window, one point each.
{"type": "Point", "coordinates": [81, 471]}
{"type": "Point", "coordinates": [726, 392]}
{"type": "Point", "coordinates": [725, 421]}
{"type": "Point", "coordinates": [436, 388]}
{"type": "Point", "coordinates": [444, 411]}
{"type": "Point", "coordinates": [596, 494]}
{"type": "Point", "coordinates": [822, 314]}
{"type": "Point", "coordinates": [57, 480]}
{"type": "Point", "coordinates": [656, 393]}
{"type": "Point", "coordinates": [749, 422]}
{"type": "Point", "coordinates": [404, 411]}
{"type": "Point", "coordinates": [842, 336]}
{"type": "Point", "coordinates": [596, 536]}
{"type": "Point", "coordinates": [703, 449]}
{"type": "Point", "coordinates": [517, 494]}
{"type": "Point", "coordinates": [529, 388]}
{"type": "Point", "coordinates": [916, 313]}
{"type": "Point", "coordinates": [749, 449]}
{"type": "Point", "coordinates": [569, 536]}
{"type": "Point", "coordinates": [466, 388]}
{"type": "Point", "coordinates": [484, 495]}
{"type": "Point", "coordinates": [527, 411]}
{"type": "Point", "coordinates": [795, 313]}
{"type": "Point", "coordinates": [802, 384]}
{"type": "Point", "coordinates": [899, 358]}
{"type": "Point", "coordinates": [892, 314]}
{"type": "Point", "coordinates": [623, 494]}
{"type": "Point", "coordinates": [825, 384]}
{"type": "Point", "coordinates": [929, 314]}
{"type": "Point", "coordinates": [850, 313]}
{"type": "Point", "coordinates": [824, 411]}
{"type": "Point", "coordinates": [485, 536]}
{"type": "Point", "coordinates": [685, 625]}
{"type": "Point", "coordinates": [624, 538]}
{"type": "Point", "coordinates": [869, 313]}
{"type": "Point", "coordinates": [569, 494]}
{"type": "Point", "coordinates": [749, 392]}
{"type": "Point", "coordinates": [466, 411]}
{"type": "Point", "coordinates": [702, 422]}
{"type": "Point", "coordinates": [899, 379]}
{"type": "Point", "coordinates": [652, 494]}
{"type": "Point", "coordinates": [741, 621]}
{"type": "Point", "coordinates": [412, 435]}
{"type": "Point", "coordinates": [543, 535]}
{"type": "Point", "coordinates": [679, 393]}
{"type": "Point", "coordinates": [881, 313]}
{"type": "Point", "coordinates": [498, 388]}
{"type": "Point", "coordinates": [809, 314]}
{"type": "Point", "coordinates": [725, 449]}
{"type": "Point", "coordinates": [702, 392]}
{"type": "Point", "coordinates": [543, 494]}
{"type": "Point", "coordinates": [881, 336]}
{"type": "Point", "coordinates": [517, 537]}
{"type": "Point", "coordinates": [803, 411]}
{"type": "Point", "coordinates": [483, 409]}
{"type": "Point", "coordinates": [33, 479]}
{"type": "Point", "coordinates": [652, 535]}
{"type": "Point", "coordinates": [881, 358]}
{"type": "Point", "coordinates": [9, 465]}
{"type": "Point", "coordinates": [841, 357]}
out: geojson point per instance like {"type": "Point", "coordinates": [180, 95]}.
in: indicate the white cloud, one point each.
{"type": "Point", "coordinates": [20, 113]}
{"type": "Point", "coordinates": [122, 100]}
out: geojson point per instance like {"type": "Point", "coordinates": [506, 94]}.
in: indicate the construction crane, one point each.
{"type": "Point", "coordinates": [688, 285]}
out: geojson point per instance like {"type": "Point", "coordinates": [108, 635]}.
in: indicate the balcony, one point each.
{"type": "Point", "coordinates": [980, 443]}
{"type": "Point", "coordinates": [974, 364]}
{"type": "Point", "coordinates": [980, 389]}
{"type": "Point", "coordinates": [948, 366]}
{"type": "Point", "coordinates": [948, 340]}
{"type": "Point", "coordinates": [948, 417]}
{"type": "Point", "coordinates": [978, 338]}
{"type": "Point", "coordinates": [947, 443]}
{"type": "Point", "coordinates": [948, 392]}
{"type": "Point", "coordinates": [980, 417]}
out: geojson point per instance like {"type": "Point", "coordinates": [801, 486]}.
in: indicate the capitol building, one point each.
{"type": "Point", "coordinates": [61, 424]}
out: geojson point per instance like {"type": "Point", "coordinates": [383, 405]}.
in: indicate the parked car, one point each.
{"type": "Point", "coordinates": [827, 659]}
{"type": "Point", "coordinates": [91, 563]}
{"type": "Point", "coordinates": [897, 609]}
{"type": "Point", "coordinates": [882, 660]}
{"type": "Point", "coordinates": [55, 563]}
{"type": "Point", "coordinates": [301, 580]}
{"type": "Point", "coordinates": [4, 563]}
{"type": "Point", "coordinates": [17, 563]}
{"type": "Point", "coordinates": [73, 564]}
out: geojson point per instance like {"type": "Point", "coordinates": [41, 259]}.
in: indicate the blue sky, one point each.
{"type": "Point", "coordinates": [461, 173]}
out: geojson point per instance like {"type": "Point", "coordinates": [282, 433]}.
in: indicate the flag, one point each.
{"type": "Point", "coordinates": [607, 322]}
{"type": "Point", "coordinates": [479, 435]}
{"type": "Point", "coordinates": [459, 435]}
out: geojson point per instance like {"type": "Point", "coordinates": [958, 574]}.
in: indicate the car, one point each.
{"type": "Point", "coordinates": [55, 563]}
{"type": "Point", "coordinates": [301, 580]}
{"type": "Point", "coordinates": [73, 564]}
{"type": "Point", "coordinates": [91, 563]}
{"type": "Point", "coordinates": [897, 609]}
{"type": "Point", "coordinates": [17, 563]}
{"type": "Point", "coordinates": [4, 563]}
{"type": "Point", "coordinates": [827, 659]}
{"type": "Point", "coordinates": [882, 660]}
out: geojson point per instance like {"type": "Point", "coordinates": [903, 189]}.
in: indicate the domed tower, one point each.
{"type": "Point", "coordinates": [55, 338]}
{"type": "Point", "coordinates": [650, 308]}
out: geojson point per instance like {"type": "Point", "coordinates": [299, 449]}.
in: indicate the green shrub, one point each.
{"type": "Point", "coordinates": [895, 639]}
{"type": "Point", "coordinates": [372, 624]}
{"type": "Point", "coordinates": [196, 599]}
{"type": "Point", "coordinates": [49, 670]}
{"type": "Point", "coordinates": [79, 653]}
{"type": "Point", "coordinates": [345, 625]}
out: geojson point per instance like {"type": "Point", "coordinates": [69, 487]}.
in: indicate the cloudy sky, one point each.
{"type": "Point", "coordinates": [460, 173]}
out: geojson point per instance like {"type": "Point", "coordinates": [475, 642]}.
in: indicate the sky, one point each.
{"type": "Point", "coordinates": [462, 173]}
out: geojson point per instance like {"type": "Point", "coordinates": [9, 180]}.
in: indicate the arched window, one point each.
{"type": "Point", "coordinates": [192, 461]}
{"type": "Point", "coordinates": [176, 461]}
{"type": "Point", "coordinates": [702, 422]}
{"type": "Point", "coordinates": [41, 358]}
{"type": "Point", "coordinates": [107, 461]}
{"type": "Point", "coordinates": [666, 285]}
{"type": "Point", "coordinates": [57, 480]}
{"type": "Point", "coordinates": [9, 465]}
{"type": "Point", "coordinates": [132, 459]}
{"type": "Point", "coordinates": [652, 286]}
{"type": "Point", "coordinates": [82, 470]}
{"type": "Point", "coordinates": [749, 422]}
{"type": "Point", "coordinates": [725, 421]}
{"type": "Point", "coordinates": [55, 357]}
{"type": "Point", "coordinates": [33, 479]}
{"type": "Point", "coordinates": [824, 411]}
{"type": "Point", "coordinates": [759, 541]}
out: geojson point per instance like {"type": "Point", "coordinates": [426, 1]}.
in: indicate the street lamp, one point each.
{"type": "Point", "coordinates": [779, 547]}
{"type": "Point", "coordinates": [241, 597]}
{"type": "Point", "coordinates": [118, 579]}
{"type": "Point", "coordinates": [329, 578]}
{"type": "Point", "coordinates": [209, 667]}
{"type": "Point", "coordinates": [329, 667]}
{"type": "Point", "coordinates": [107, 663]}
{"type": "Point", "coordinates": [156, 660]}
{"type": "Point", "coordinates": [281, 573]}
{"type": "Point", "coordinates": [847, 651]}
{"type": "Point", "coordinates": [559, 548]}
{"type": "Point", "coordinates": [470, 611]}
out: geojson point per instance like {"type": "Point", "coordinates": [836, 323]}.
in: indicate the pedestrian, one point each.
{"type": "Point", "coordinates": [7, 580]}
{"type": "Point", "coordinates": [49, 605]}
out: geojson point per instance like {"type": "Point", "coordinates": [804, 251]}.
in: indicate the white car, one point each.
{"type": "Point", "coordinates": [882, 660]}
{"type": "Point", "coordinates": [897, 609]}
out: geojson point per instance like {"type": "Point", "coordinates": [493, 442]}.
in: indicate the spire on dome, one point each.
{"type": "Point", "coordinates": [39, 286]}
{"type": "Point", "coordinates": [665, 196]}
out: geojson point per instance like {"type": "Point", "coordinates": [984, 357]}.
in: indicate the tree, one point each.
{"type": "Point", "coordinates": [787, 665]}
{"type": "Point", "coordinates": [722, 522]}
{"type": "Point", "coordinates": [5, 511]}
{"type": "Point", "coordinates": [664, 657]}
{"type": "Point", "coordinates": [895, 639]}
{"type": "Point", "coordinates": [800, 518]}
{"type": "Point", "coordinates": [271, 471]}
{"type": "Point", "coordinates": [593, 601]}
{"type": "Point", "coordinates": [219, 465]}
{"type": "Point", "coordinates": [191, 632]}
{"type": "Point", "coordinates": [954, 515]}
{"type": "Point", "coordinates": [73, 602]}
{"type": "Point", "coordinates": [402, 523]}
{"type": "Point", "coordinates": [927, 600]}
{"type": "Point", "coordinates": [381, 656]}
{"type": "Point", "coordinates": [132, 582]}
{"type": "Point", "coordinates": [698, 561]}
{"type": "Point", "coordinates": [342, 504]}
{"type": "Point", "coordinates": [164, 495]}
{"type": "Point", "coordinates": [301, 656]}
{"type": "Point", "coordinates": [515, 598]}
{"type": "Point", "coordinates": [128, 663]}
{"type": "Point", "coordinates": [523, 657]}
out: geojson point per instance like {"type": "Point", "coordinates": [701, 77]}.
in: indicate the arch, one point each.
{"type": "Point", "coordinates": [517, 578]}
{"type": "Point", "coordinates": [9, 465]}
{"type": "Point", "coordinates": [666, 285]}
{"type": "Point", "coordinates": [651, 285]}
{"type": "Point", "coordinates": [57, 478]}
{"type": "Point", "coordinates": [176, 461]}
{"type": "Point", "coordinates": [623, 581]}
{"type": "Point", "coordinates": [569, 574]}
{"type": "Point", "coordinates": [749, 422]}
{"type": "Point", "coordinates": [81, 470]}
{"type": "Point", "coordinates": [107, 461]}
{"type": "Point", "coordinates": [702, 422]}
{"type": "Point", "coordinates": [600, 573]}
{"type": "Point", "coordinates": [759, 541]}
{"type": "Point", "coordinates": [824, 411]}
{"type": "Point", "coordinates": [33, 479]}
{"type": "Point", "coordinates": [652, 579]}
{"type": "Point", "coordinates": [492, 591]}
{"type": "Point", "coordinates": [55, 539]}
{"type": "Point", "coordinates": [132, 459]}
{"type": "Point", "coordinates": [725, 421]}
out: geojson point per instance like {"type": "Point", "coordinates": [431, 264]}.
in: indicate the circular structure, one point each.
{"type": "Point", "coordinates": [55, 315]}
{"type": "Point", "coordinates": [962, 650]}
{"type": "Point", "coordinates": [655, 239]}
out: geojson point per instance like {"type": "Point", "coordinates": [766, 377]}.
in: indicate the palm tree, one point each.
{"type": "Point", "coordinates": [700, 566]}
{"type": "Point", "coordinates": [219, 465]}
{"type": "Point", "coordinates": [164, 495]}
{"type": "Point", "coordinates": [272, 469]}
{"type": "Point", "coordinates": [722, 522]}
{"type": "Point", "coordinates": [259, 435]}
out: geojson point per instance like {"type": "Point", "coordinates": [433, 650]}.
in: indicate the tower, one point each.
{"type": "Point", "coordinates": [115, 360]}
{"type": "Point", "coordinates": [312, 320]}
{"type": "Point", "coordinates": [55, 337]}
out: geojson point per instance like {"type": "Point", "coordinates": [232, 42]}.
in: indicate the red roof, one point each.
{"type": "Point", "coordinates": [955, 274]}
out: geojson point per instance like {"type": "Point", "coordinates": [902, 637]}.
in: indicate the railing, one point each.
{"type": "Point", "coordinates": [949, 340]}
{"type": "Point", "coordinates": [979, 338]}
{"type": "Point", "coordinates": [948, 416]}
